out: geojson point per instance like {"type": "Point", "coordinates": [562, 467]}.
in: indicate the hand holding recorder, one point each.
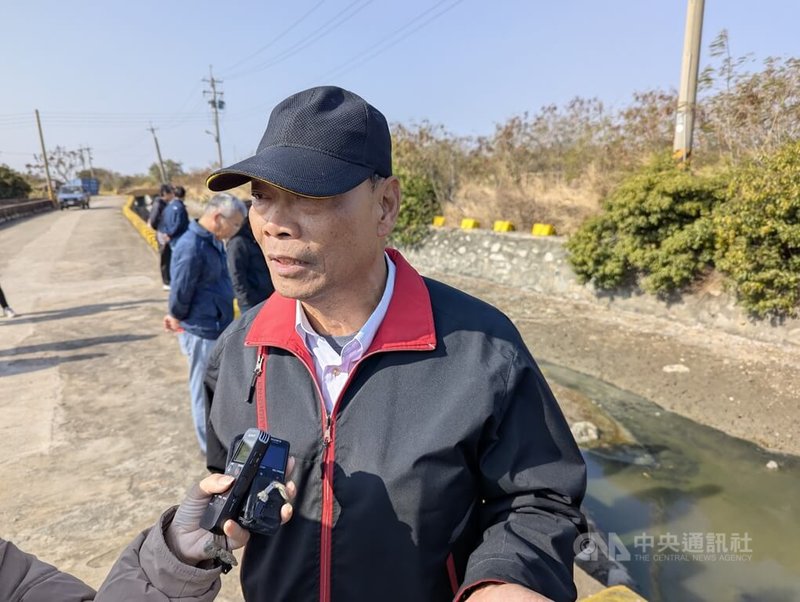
{"type": "Point", "coordinates": [192, 543]}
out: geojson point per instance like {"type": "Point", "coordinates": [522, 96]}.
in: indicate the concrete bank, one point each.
{"type": "Point", "coordinates": [718, 369]}
{"type": "Point", "coordinates": [539, 264]}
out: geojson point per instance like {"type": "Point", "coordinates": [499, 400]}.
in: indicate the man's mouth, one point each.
{"type": "Point", "coordinates": [285, 260]}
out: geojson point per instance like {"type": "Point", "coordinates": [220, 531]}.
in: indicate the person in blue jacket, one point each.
{"type": "Point", "coordinates": [201, 294]}
{"type": "Point", "coordinates": [156, 221]}
{"type": "Point", "coordinates": [175, 219]}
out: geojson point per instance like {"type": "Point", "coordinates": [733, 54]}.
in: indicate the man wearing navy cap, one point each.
{"type": "Point", "coordinates": [433, 462]}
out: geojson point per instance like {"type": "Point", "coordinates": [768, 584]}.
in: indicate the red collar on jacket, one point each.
{"type": "Point", "coordinates": [408, 324]}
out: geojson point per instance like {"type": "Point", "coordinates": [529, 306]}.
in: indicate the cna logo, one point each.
{"type": "Point", "coordinates": [666, 547]}
{"type": "Point", "coordinates": [592, 546]}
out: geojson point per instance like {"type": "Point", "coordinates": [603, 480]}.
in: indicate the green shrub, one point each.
{"type": "Point", "coordinates": [655, 230]}
{"type": "Point", "coordinates": [758, 234]}
{"type": "Point", "coordinates": [12, 184]}
{"type": "Point", "coordinates": [417, 208]}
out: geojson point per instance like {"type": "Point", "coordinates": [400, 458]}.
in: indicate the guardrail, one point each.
{"type": "Point", "coordinates": [20, 208]}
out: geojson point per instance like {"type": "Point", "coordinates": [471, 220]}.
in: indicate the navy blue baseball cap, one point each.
{"type": "Point", "coordinates": [319, 143]}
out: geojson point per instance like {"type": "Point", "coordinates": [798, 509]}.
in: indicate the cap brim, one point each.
{"type": "Point", "coordinates": [300, 170]}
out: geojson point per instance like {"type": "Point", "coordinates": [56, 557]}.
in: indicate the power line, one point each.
{"type": "Point", "coordinates": [276, 38]}
{"type": "Point", "coordinates": [370, 53]}
{"type": "Point", "coordinates": [90, 118]}
{"type": "Point", "coordinates": [170, 125]}
{"type": "Point", "coordinates": [367, 53]}
{"type": "Point", "coordinates": [136, 141]}
{"type": "Point", "coordinates": [315, 36]}
{"type": "Point", "coordinates": [18, 153]}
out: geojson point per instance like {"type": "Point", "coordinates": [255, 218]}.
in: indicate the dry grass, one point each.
{"type": "Point", "coordinates": [709, 284]}
{"type": "Point", "coordinates": [195, 184]}
{"type": "Point", "coordinates": [539, 199]}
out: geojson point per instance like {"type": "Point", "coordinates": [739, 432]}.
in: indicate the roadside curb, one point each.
{"type": "Point", "coordinates": [139, 224]}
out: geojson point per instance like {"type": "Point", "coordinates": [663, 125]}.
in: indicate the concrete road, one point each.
{"type": "Point", "coordinates": [96, 434]}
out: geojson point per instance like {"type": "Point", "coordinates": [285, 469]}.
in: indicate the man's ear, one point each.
{"type": "Point", "coordinates": [389, 204]}
{"type": "Point", "coordinates": [217, 223]}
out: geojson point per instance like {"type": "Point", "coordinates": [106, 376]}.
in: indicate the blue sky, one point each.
{"type": "Point", "coordinates": [99, 73]}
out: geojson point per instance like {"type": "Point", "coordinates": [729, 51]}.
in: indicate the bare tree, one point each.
{"type": "Point", "coordinates": [64, 163]}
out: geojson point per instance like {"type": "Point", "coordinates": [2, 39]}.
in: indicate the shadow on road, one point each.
{"type": "Point", "coordinates": [81, 310]}
{"type": "Point", "coordinates": [42, 363]}
{"type": "Point", "coordinates": [74, 344]}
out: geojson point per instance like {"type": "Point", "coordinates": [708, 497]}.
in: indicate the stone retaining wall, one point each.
{"type": "Point", "coordinates": [540, 264]}
{"type": "Point", "coordinates": [13, 210]}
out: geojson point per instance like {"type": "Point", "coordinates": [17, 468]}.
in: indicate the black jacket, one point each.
{"type": "Point", "coordinates": [446, 462]}
{"type": "Point", "coordinates": [251, 280]}
{"type": "Point", "coordinates": [156, 213]}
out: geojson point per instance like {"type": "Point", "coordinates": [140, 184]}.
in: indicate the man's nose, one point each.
{"type": "Point", "coordinates": [278, 220]}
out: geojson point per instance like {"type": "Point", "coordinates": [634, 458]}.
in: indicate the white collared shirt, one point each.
{"type": "Point", "coordinates": [332, 368]}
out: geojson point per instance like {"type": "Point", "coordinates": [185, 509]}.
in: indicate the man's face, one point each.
{"type": "Point", "coordinates": [320, 250]}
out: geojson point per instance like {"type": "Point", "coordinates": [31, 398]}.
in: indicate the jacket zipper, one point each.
{"type": "Point", "coordinates": [328, 438]}
{"type": "Point", "coordinates": [256, 373]}
{"type": "Point", "coordinates": [326, 522]}
{"type": "Point", "coordinates": [326, 518]}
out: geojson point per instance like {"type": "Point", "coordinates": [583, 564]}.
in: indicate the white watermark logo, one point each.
{"type": "Point", "coordinates": [690, 546]}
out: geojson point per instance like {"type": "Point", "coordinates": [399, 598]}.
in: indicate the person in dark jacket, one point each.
{"type": "Point", "coordinates": [156, 221]}
{"type": "Point", "coordinates": [433, 460]}
{"type": "Point", "coordinates": [251, 280]}
{"type": "Point", "coordinates": [201, 297]}
{"type": "Point", "coordinates": [175, 218]}
{"type": "Point", "coordinates": [7, 311]}
{"type": "Point", "coordinates": [170, 561]}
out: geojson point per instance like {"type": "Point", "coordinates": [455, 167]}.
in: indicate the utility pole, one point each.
{"type": "Point", "coordinates": [50, 194]}
{"type": "Point", "coordinates": [216, 103]}
{"type": "Point", "coordinates": [91, 168]}
{"type": "Point", "coordinates": [158, 152]}
{"type": "Point", "coordinates": [83, 160]}
{"type": "Point", "coordinates": [687, 95]}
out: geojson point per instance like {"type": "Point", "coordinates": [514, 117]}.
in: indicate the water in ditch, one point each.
{"type": "Point", "coordinates": [692, 514]}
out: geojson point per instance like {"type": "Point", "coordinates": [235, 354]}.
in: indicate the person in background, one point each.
{"type": "Point", "coordinates": [251, 280]}
{"type": "Point", "coordinates": [7, 311]}
{"type": "Point", "coordinates": [175, 219]}
{"type": "Point", "coordinates": [201, 296]}
{"type": "Point", "coordinates": [155, 221]}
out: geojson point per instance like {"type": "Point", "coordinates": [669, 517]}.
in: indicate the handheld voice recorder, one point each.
{"type": "Point", "coordinates": [243, 466]}
{"type": "Point", "coordinates": [261, 512]}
